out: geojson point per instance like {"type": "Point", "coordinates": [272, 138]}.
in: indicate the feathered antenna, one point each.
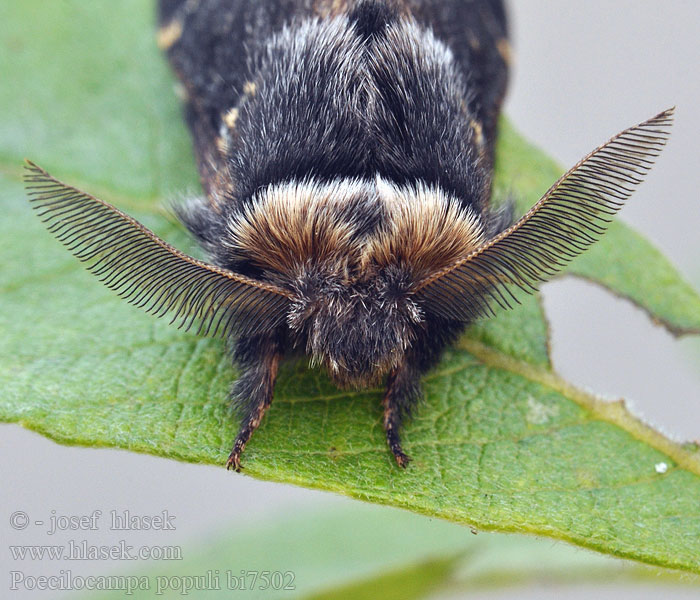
{"type": "Point", "coordinates": [147, 271]}
{"type": "Point", "coordinates": [572, 215]}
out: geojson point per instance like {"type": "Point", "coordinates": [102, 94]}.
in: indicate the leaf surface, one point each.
{"type": "Point", "coordinates": [500, 443]}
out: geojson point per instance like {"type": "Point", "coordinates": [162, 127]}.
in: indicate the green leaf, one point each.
{"type": "Point", "coordinates": [364, 551]}
{"type": "Point", "coordinates": [94, 104]}
{"type": "Point", "coordinates": [500, 443]}
{"type": "Point", "coordinates": [622, 261]}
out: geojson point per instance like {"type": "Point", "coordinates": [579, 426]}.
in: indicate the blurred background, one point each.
{"type": "Point", "coordinates": [582, 72]}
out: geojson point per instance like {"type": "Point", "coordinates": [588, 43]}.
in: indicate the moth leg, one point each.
{"type": "Point", "coordinates": [258, 358]}
{"type": "Point", "coordinates": [402, 392]}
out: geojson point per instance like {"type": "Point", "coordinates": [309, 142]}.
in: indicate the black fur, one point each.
{"type": "Point", "coordinates": [371, 18]}
{"type": "Point", "coordinates": [405, 90]}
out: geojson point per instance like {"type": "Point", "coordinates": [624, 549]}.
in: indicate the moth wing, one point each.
{"type": "Point", "coordinates": [477, 34]}
{"type": "Point", "coordinates": [209, 44]}
{"type": "Point", "coordinates": [147, 271]}
{"type": "Point", "coordinates": [571, 216]}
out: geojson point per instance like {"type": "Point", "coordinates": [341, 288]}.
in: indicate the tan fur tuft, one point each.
{"type": "Point", "coordinates": [169, 34]}
{"type": "Point", "coordinates": [292, 226]}
{"type": "Point", "coordinates": [330, 8]}
{"type": "Point", "coordinates": [231, 117]}
{"type": "Point", "coordinates": [503, 46]}
{"type": "Point", "coordinates": [289, 225]}
{"type": "Point", "coordinates": [425, 230]}
{"type": "Point", "coordinates": [478, 132]}
{"type": "Point", "coordinates": [333, 8]}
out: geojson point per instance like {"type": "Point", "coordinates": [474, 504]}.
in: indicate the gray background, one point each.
{"type": "Point", "coordinates": [583, 71]}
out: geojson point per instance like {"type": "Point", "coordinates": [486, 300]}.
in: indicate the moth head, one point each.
{"type": "Point", "coordinates": [358, 331]}
{"type": "Point", "coordinates": [352, 251]}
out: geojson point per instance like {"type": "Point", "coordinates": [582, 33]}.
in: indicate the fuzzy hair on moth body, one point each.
{"type": "Point", "coordinates": [346, 152]}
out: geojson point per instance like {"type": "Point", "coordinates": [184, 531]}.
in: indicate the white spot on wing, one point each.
{"type": "Point", "coordinates": [169, 34]}
{"type": "Point", "coordinates": [231, 117]}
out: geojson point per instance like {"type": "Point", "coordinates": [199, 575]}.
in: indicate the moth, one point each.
{"type": "Point", "coordinates": [346, 152]}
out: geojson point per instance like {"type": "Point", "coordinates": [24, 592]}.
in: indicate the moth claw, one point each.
{"type": "Point", "coordinates": [401, 459]}
{"type": "Point", "coordinates": [234, 462]}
